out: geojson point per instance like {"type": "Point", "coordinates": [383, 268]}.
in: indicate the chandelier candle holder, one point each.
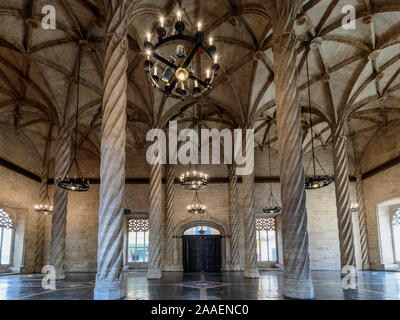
{"type": "Point", "coordinates": [196, 207]}
{"type": "Point", "coordinates": [194, 180]}
{"type": "Point", "coordinates": [272, 206]}
{"type": "Point", "coordinates": [78, 183]}
{"type": "Point", "coordinates": [314, 182]}
{"type": "Point", "coordinates": [170, 62]}
{"type": "Point", "coordinates": [43, 209]}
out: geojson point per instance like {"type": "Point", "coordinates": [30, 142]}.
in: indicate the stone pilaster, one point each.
{"type": "Point", "coordinates": [60, 203]}
{"type": "Point", "coordinates": [154, 263]}
{"type": "Point", "coordinates": [362, 218]}
{"type": "Point", "coordinates": [343, 203]}
{"type": "Point", "coordinates": [109, 278]}
{"type": "Point", "coordinates": [234, 217]}
{"type": "Point", "coordinates": [296, 275]}
{"type": "Point", "coordinates": [250, 239]}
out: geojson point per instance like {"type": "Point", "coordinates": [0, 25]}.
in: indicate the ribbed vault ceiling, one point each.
{"type": "Point", "coordinates": [38, 69]}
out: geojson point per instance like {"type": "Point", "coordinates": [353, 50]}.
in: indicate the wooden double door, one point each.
{"type": "Point", "coordinates": [202, 253]}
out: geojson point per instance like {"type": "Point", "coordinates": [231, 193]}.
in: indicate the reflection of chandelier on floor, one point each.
{"type": "Point", "coordinates": [174, 72]}
{"type": "Point", "coordinates": [272, 206]}
{"type": "Point", "coordinates": [314, 182]}
{"type": "Point", "coordinates": [196, 207]}
{"type": "Point", "coordinates": [77, 184]}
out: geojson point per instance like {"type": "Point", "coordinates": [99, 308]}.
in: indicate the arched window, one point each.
{"type": "Point", "coordinates": [6, 226]}
{"type": "Point", "coordinates": [138, 240]}
{"type": "Point", "coordinates": [201, 231]}
{"type": "Point", "coordinates": [396, 235]}
{"type": "Point", "coordinates": [266, 239]}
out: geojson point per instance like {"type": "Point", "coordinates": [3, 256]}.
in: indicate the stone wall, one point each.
{"type": "Point", "coordinates": [381, 188]}
{"type": "Point", "coordinates": [18, 195]}
{"type": "Point", "coordinates": [82, 219]}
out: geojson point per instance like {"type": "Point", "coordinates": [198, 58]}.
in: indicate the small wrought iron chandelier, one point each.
{"type": "Point", "coordinates": [272, 206]}
{"type": "Point", "coordinates": [196, 207]}
{"type": "Point", "coordinates": [78, 183]}
{"type": "Point", "coordinates": [44, 208]}
{"type": "Point", "coordinates": [194, 179]}
{"type": "Point", "coordinates": [314, 182]}
{"type": "Point", "coordinates": [174, 72]}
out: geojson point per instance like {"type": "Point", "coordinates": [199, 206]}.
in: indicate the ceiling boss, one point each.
{"type": "Point", "coordinates": [180, 64]}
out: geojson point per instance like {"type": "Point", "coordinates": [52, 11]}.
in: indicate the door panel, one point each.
{"type": "Point", "coordinates": [202, 253]}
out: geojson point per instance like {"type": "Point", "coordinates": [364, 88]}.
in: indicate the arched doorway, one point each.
{"type": "Point", "coordinates": [202, 249]}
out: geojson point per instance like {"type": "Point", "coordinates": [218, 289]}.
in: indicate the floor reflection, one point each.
{"type": "Point", "coordinates": [226, 286]}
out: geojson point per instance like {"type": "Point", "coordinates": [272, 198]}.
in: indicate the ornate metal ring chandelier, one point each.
{"type": "Point", "coordinates": [272, 206]}
{"type": "Point", "coordinates": [194, 180]}
{"type": "Point", "coordinates": [43, 209]}
{"type": "Point", "coordinates": [196, 207]}
{"type": "Point", "coordinates": [314, 182]}
{"type": "Point", "coordinates": [174, 72]}
{"type": "Point", "coordinates": [77, 184]}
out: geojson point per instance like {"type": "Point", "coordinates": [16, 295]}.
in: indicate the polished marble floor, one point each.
{"type": "Point", "coordinates": [226, 286]}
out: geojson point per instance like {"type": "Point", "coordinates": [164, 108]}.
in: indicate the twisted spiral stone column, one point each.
{"type": "Point", "coordinates": [362, 218]}
{"type": "Point", "coordinates": [169, 220]}
{"type": "Point", "coordinates": [234, 219]}
{"type": "Point", "coordinates": [251, 269]}
{"type": "Point", "coordinates": [343, 203]}
{"type": "Point", "coordinates": [41, 221]}
{"type": "Point", "coordinates": [154, 264]}
{"type": "Point", "coordinates": [296, 275]}
{"type": "Point", "coordinates": [109, 280]}
{"type": "Point", "coordinates": [60, 203]}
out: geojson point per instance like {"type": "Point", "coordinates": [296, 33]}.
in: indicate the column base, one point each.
{"type": "Point", "coordinates": [172, 268]}
{"type": "Point", "coordinates": [234, 267]}
{"type": "Point", "coordinates": [109, 290]}
{"type": "Point", "coordinates": [251, 273]}
{"type": "Point", "coordinates": [298, 288]}
{"type": "Point", "coordinates": [153, 274]}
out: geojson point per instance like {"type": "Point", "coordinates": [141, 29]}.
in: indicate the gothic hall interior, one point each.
{"type": "Point", "coordinates": [199, 150]}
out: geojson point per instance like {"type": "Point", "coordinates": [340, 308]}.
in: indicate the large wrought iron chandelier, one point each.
{"type": "Point", "coordinates": [196, 207]}
{"type": "Point", "coordinates": [77, 183]}
{"type": "Point", "coordinates": [193, 179]}
{"type": "Point", "coordinates": [44, 208]}
{"type": "Point", "coordinates": [170, 61]}
{"type": "Point", "coordinates": [314, 182]}
{"type": "Point", "coordinates": [272, 206]}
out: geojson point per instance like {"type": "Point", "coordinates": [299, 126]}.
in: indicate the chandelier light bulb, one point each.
{"type": "Point", "coordinates": [208, 73]}
{"type": "Point", "coordinates": [199, 26]}
{"type": "Point", "coordinates": [179, 15]}
{"type": "Point", "coordinates": [148, 37]}
{"type": "Point", "coordinates": [216, 59]}
{"type": "Point", "coordinates": [210, 41]}
{"type": "Point", "coordinates": [162, 21]}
